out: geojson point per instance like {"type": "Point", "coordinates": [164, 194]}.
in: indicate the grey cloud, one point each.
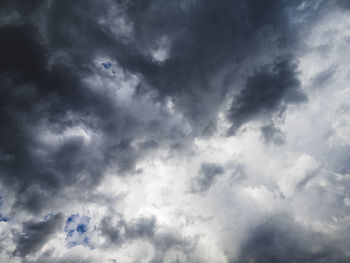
{"type": "Point", "coordinates": [40, 91]}
{"type": "Point", "coordinates": [48, 257]}
{"type": "Point", "coordinates": [75, 259]}
{"type": "Point", "coordinates": [119, 232]}
{"type": "Point", "coordinates": [216, 52]}
{"type": "Point", "coordinates": [280, 239]}
{"type": "Point", "coordinates": [283, 238]}
{"type": "Point", "coordinates": [208, 40]}
{"type": "Point", "coordinates": [328, 202]}
{"type": "Point", "coordinates": [324, 77]}
{"type": "Point", "coordinates": [111, 232]}
{"type": "Point", "coordinates": [239, 173]}
{"type": "Point", "coordinates": [267, 93]}
{"type": "Point", "coordinates": [344, 4]}
{"type": "Point", "coordinates": [271, 134]}
{"type": "Point", "coordinates": [166, 241]}
{"type": "Point", "coordinates": [48, 48]}
{"type": "Point", "coordinates": [35, 234]}
{"type": "Point", "coordinates": [206, 177]}
{"type": "Point", "coordinates": [338, 159]}
{"type": "Point", "coordinates": [143, 227]}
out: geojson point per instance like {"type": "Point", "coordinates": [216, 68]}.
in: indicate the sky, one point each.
{"type": "Point", "coordinates": [174, 131]}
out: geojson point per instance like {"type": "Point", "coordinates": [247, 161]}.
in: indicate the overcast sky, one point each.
{"type": "Point", "coordinates": [195, 131]}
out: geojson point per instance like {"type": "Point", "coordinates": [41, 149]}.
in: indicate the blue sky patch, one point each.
{"type": "Point", "coordinates": [70, 233]}
{"type": "Point", "coordinates": [107, 65]}
{"type": "Point", "coordinates": [77, 229]}
{"type": "Point", "coordinates": [71, 219]}
{"type": "Point", "coordinates": [48, 216]}
{"type": "Point", "coordinates": [81, 228]}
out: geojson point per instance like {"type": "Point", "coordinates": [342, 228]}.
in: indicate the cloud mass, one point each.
{"type": "Point", "coordinates": [174, 131]}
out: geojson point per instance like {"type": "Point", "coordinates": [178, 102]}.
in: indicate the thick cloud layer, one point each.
{"type": "Point", "coordinates": [174, 131]}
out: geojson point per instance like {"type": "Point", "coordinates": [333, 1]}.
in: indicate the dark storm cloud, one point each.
{"type": "Point", "coordinates": [206, 177]}
{"type": "Point", "coordinates": [215, 52]}
{"type": "Point", "coordinates": [280, 239]}
{"type": "Point", "coordinates": [40, 87]}
{"type": "Point", "coordinates": [211, 45]}
{"type": "Point", "coordinates": [47, 50]}
{"type": "Point", "coordinates": [267, 92]}
{"type": "Point", "coordinates": [30, 94]}
{"type": "Point", "coordinates": [35, 234]}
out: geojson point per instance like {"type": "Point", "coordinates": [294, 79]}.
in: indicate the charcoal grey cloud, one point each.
{"type": "Point", "coordinates": [267, 92]}
{"type": "Point", "coordinates": [280, 239]}
{"type": "Point", "coordinates": [35, 234]}
{"type": "Point", "coordinates": [48, 50]}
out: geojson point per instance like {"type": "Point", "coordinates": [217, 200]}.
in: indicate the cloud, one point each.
{"type": "Point", "coordinates": [280, 239]}
{"type": "Point", "coordinates": [49, 59]}
{"type": "Point", "coordinates": [271, 134]}
{"type": "Point", "coordinates": [268, 92]}
{"type": "Point", "coordinates": [34, 235]}
{"type": "Point", "coordinates": [324, 77]}
{"type": "Point", "coordinates": [174, 131]}
{"type": "Point", "coordinates": [163, 240]}
{"type": "Point", "coordinates": [124, 231]}
{"type": "Point", "coordinates": [343, 3]}
{"type": "Point", "coordinates": [61, 132]}
{"type": "Point", "coordinates": [209, 47]}
{"type": "Point", "coordinates": [207, 177]}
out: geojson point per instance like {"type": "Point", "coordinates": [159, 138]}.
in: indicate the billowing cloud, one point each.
{"type": "Point", "coordinates": [267, 92]}
{"type": "Point", "coordinates": [174, 131]}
